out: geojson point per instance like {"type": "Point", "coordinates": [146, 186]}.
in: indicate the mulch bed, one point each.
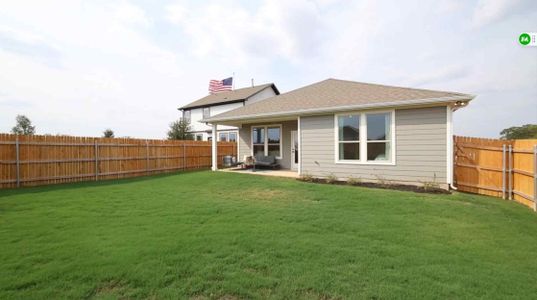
{"type": "Point", "coordinates": [399, 187]}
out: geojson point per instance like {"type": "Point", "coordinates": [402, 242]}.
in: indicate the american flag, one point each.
{"type": "Point", "coordinates": [216, 86]}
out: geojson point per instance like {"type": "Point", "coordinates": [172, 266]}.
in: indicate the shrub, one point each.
{"type": "Point", "coordinates": [354, 181]}
{"type": "Point", "coordinates": [331, 178]}
{"type": "Point", "coordinates": [383, 181]}
{"type": "Point", "coordinates": [430, 185]}
{"type": "Point", "coordinates": [306, 177]}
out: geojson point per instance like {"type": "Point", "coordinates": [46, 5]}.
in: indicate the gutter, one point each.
{"type": "Point", "coordinates": [344, 108]}
{"type": "Point", "coordinates": [211, 105]}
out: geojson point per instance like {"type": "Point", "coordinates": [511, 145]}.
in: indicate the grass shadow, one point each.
{"type": "Point", "coordinates": [79, 184]}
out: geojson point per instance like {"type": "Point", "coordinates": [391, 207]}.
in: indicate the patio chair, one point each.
{"type": "Point", "coordinates": [247, 162]}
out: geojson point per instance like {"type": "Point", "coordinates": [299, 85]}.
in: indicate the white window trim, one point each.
{"type": "Point", "coordinates": [363, 139]}
{"type": "Point", "coordinates": [266, 138]}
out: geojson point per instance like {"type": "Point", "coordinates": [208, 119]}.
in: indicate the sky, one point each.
{"type": "Point", "coordinates": [79, 67]}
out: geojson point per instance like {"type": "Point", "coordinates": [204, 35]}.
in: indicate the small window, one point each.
{"type": "Point", "coordinates": [210, 138]}
{"type": "Point", "coordinates": [233, 137]}
{"type": "Point", "coordinates": [378, 137]}
{"type": "Point", "coordinates": [186, 115]}
{"type": "Point", "coordinates": [199, 137]}
{"type": "Point", "coordinates": [206, 112]}
{"type": "Point", "coordinates": [349, 137]}
{"type": "Point", "coordinates": [273, 141]}
{"type": "Point", "coordinates": [258, 140]}
{"type": "Point", "coordinates": [222, 136]}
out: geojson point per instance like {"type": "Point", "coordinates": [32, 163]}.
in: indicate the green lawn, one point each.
{"type": "Point", "coordinates": [220, 235]}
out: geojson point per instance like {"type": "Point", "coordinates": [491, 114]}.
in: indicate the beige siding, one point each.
{"type": "Point", "coordinates": [420, 138]}
{"type": "Point", "coordinates": [245, 146]}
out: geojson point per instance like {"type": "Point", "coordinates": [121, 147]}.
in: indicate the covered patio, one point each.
{"type": "Point", "coordinates": [277, 139]}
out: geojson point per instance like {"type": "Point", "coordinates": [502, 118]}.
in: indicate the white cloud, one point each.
{"type": "Point", "coordinates": [288, 29]}
{"type": "Point", "coordinates": [131, 14]}
{"type": "Point", "coordinates": [488, 11]}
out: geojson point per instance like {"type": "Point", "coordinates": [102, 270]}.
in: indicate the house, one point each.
{"type": "Point", "coordinates": [350, 129]}
{"type": "Point", "coordinates": [222, 102]}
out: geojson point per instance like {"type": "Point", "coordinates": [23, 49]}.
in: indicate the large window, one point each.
{"type": "Point", "coordinates": [206, 112]}
{"type": "Point", "coordinates": [267, 140]}
{"type": "Point", "coordinates": [364, 137]}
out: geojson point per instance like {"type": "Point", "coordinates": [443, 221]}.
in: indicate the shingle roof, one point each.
{"type": "Point", "coordinates": [334, 95]}
{"type": "Point", "coordinates": [230, 96]}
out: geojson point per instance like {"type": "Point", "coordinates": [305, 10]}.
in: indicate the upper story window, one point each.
{"type": "Point", "coordinates": [186, 114]}
{"type": "Point", "coordinates": [365, 138]}
{"type": "Point", "coordinates": [206, 112]}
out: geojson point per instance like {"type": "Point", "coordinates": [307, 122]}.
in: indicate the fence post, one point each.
{"type": "Point", "coordinates": [18, 171]}
{"type": "Point", "coordinates": [535, 178]}
{"type": "Point", "coordinates": [503, 171]}
{"type": "Point", "coordinates": [96, 149]}
{"type": "Point", "coordinates": [184, 156]}
{"type": "Point", "coordinates": [146, 157]}
{"type": "Point", "coordinates": [510, 172]}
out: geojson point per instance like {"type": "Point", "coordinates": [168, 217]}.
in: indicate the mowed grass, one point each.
{"type": "Point", "coordinates": [232, 236]}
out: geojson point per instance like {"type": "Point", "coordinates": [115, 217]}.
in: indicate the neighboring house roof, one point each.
{"type": "Point", "coordinates": [229, 96]}
{"type": "Point", "coordinates": [332, 95]}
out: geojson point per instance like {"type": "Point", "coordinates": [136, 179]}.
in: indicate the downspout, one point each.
{"type": "Point", "coordinates": [449, 114]}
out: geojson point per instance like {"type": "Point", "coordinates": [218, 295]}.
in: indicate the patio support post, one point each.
{"type": "Point", "coordinates": [214, 149]}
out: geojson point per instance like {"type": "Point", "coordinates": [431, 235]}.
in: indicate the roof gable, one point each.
{"type": "Point", "coordinates": [229, 96]}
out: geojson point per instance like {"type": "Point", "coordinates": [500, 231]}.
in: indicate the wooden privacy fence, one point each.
{"type": "Point", "coordinates": [41, 160]}
{"type": "Point", "coordinates": [500, 168]}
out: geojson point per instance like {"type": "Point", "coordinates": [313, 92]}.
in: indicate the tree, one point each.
{"type": "Point", "coordinates": [24, 126]}
{"type": "Point", "coordinates": [528, 131]}
{"type": "Point", "coordinates": [180, 130]}
{"type": "Point", "coordinates": [108, 133]}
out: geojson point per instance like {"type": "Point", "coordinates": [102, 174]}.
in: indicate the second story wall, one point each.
{"type": "Point", "coordinates": [262, 95]}
{"type": "Point", "coordinates": [196, 115]}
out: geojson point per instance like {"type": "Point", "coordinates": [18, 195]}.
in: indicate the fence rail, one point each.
{"type": "Point", "coordinates": [42, 160]}
{"type": "Point", "coordinates": [499, 168]}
